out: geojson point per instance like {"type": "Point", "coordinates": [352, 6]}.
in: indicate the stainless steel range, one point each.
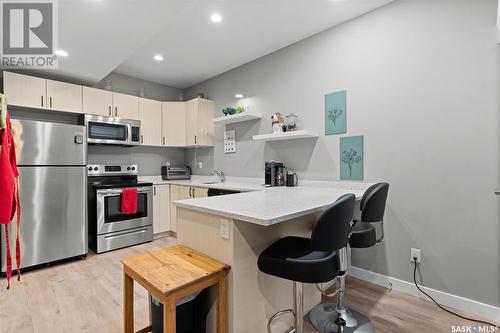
{"type": "Point", "coordinates": [109, 228]}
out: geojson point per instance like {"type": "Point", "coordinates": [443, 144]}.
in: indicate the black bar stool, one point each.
{"type": "Point", "coordinates": [310, 260]}
{"type": "Point", "coordinates": [325, 317]}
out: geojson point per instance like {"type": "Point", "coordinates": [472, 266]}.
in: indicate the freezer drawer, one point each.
{"type": "Point", "coordinates": [53, 220]}
{"type": "Point", "coordinates": [43, 143]}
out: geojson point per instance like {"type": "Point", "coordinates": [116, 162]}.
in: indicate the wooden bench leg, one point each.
{"type": "Point", "coordinates": [222, 305]}
{"type": "Point", "coordinates": [169, 313]}
{"type": "Point", "coordinates": [128, 304]}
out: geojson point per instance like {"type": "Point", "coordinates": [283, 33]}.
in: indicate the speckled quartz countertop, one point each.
{"type": "Point", "coordinates": [271, 205]}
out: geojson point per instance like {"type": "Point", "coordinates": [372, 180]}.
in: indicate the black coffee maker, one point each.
{"type": "Point", "coordinates": [274, 174]}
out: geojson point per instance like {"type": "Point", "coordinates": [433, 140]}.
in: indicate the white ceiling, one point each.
{"type": "Point", "coordinates": [123, 35]}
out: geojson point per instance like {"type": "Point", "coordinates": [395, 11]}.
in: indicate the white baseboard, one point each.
{"type": "Point", "coordinates": [466, 305]}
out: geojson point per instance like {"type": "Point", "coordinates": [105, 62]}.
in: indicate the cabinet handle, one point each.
{"type": "Point", "coordinates": [190, 189]}
{"type": "Point", "coordinates": [195, 137]}
{"type": "Point", "coordinates": [194, 195]}
{"type": "Point", "coordinates": [163, 140]}
{"type": "Point", "coordinates": [109, 110]}
{"type": "Point", "coordinates": [42, 100]}
{"type": "Point", "coordinates": [50, 102]}
{"type": "Point", "coordinates": [116, 111]}
{"type": "Point", "coordinates": [142, 138]}
{"type": "Point", "coordinates": [154, 190]}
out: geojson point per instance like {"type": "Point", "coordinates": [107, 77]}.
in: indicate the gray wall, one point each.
{"type": "Point", "coordinates": [422, 82]}
{"type": "Point", "coordinates": [148, 159]}
{"type": "Point", "coordinates": [132, 86]}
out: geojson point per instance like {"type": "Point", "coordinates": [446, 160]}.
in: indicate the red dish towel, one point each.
{"type": "Point", "coordinates": [129, 200]}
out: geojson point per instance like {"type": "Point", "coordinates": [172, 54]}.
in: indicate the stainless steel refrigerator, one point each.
{"type": "Point", "coordinates": [52, 162]}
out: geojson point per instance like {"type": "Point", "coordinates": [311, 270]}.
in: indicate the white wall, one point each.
{"type": "Point", "coordinates": [422, 82]}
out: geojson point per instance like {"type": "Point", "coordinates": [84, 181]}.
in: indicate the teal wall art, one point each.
{"type": "Point", "coordinates": [351, 157]}
{"type": "Point", "coordinates": [336, 113]}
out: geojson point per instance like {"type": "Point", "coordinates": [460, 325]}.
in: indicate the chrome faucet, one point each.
{"type": "Point", "coordinates": [220, 174]}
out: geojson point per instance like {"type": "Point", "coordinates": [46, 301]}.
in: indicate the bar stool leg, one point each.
{"type": "Point", "coordinates": [128, 304]}
{"type": "Point", "coordinates": [324, 316]}
{"type": "Point", "coordinates": [169, 313]}
{"type": "Point", "coordinates": [298, 306]}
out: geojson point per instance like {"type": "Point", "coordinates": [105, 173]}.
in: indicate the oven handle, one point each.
{"type": "Point", "coordinates": [107, 193]}
{"type": "Point", "coordinates": [127, 233]}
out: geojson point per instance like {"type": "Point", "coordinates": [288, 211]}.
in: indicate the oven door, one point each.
{"type": "Point", "coordinates": [109, 215]}
{"type": "Point", "coordinates": [108, 132]}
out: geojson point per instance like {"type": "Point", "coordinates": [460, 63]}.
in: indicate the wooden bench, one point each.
{"type": "Point", "coordinates": [170, 274]}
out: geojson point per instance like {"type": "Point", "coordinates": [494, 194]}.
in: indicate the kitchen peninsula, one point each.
{"type": "Point", "coordinates": [236, 228]}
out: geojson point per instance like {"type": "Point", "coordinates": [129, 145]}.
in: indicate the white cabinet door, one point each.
{"type": "Point", "coordinates": [205, 122]}
{"type": "Point", "coordinates": [125, 106]}
{"type": "Point", "coordinates": [150, 115]}
{"type": "Point", "coordinates": [199, 122]}
{"type": "Point", "coordinates": [97, 101]}
{"type": "Point", "coordinates": [192, 122]}
{"type": "Point", "coordinates": [173, 124]}
{"type": "Point", "coordinates": [24, 90]}
{"type": "Point", "coordinates": [63, 96]}
{"type": "Point", "coordinates": [161, 209]}
{"type": "Point", "coordinates": [174, 196]}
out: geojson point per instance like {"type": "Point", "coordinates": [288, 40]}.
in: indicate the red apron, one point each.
{"type": "Point", "coordinates": [9, 194]}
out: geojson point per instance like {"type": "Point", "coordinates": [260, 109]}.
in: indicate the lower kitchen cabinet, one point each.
{"type": "Point", "coordinates": [181, 192]}
{"type": "Point", "coordinates": [161, 209]}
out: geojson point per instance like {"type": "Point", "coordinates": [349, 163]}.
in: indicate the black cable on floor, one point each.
{"type": "Point", "coordinates": [442, 307]}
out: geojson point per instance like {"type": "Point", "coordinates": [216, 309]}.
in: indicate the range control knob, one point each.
{"type": "Point", "coordinates": [133, 168]}
{"type": "Point", "coordinates": [90, 168]}
{"type": "Point", "coordinates": [128, 168]}
{"type": "Point", "coordinates": [96, 168]}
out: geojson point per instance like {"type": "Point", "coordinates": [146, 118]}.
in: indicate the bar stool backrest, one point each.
{"type": "Point", "coordinates": [331, 230]}
{"type": "Point", "coordinates": [373, 203]}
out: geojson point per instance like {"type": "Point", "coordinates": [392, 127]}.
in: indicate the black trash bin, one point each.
{"type": "Point", "coordinates": [191, 314]}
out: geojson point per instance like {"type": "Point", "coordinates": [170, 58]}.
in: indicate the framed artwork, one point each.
{"type": "Point", "coordinates": [336, 113]}
{"type": "Point", "coordinates": [351, 157]}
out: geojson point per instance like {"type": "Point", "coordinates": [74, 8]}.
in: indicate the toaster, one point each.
{"type": "Point", "coordinates": [175, 172]}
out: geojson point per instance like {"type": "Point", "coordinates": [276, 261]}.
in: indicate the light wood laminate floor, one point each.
{"type": "Point", "coordinates": [86, 296]}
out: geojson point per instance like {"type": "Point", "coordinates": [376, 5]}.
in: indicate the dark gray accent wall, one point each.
{"type": "Point", "coordinates": [422, 80]}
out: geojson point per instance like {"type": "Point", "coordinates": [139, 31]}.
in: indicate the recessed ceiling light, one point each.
{"type": "Point", "coordinates": [61, 53]}
{"type": "Point", "coordinates": [158, 57]}
{"type": "Point", "coordinates": [238, 96]}
{"type": "Point", "coordinates": [216, 18]}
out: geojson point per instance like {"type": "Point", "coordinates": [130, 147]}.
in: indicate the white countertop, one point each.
{"type": "Point", "coordinates": [267, 205]}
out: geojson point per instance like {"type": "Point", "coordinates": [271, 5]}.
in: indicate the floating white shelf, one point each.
{"type": "Point", "coordinates": [237, 118]}
{"type": "Point", "coordinates": [298, 134]}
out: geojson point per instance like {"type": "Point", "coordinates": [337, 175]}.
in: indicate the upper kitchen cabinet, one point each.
{"type": "Point", "coordinates": [173, 124]}
{"type": "Point", "coordinates": [63, 96]}
{"type": "Point", "coordinates": [150, 115]}
{"type": "Point", "coordinates": [125, 106]}
{"type": "Point", "coordinates": [97, 101]}
{"type": "Point", "coordinates": [23, 90]}
{"type": "Point", "coordinates": [199, 124]}
{"type": "Point", "coordinates": [35, 92]}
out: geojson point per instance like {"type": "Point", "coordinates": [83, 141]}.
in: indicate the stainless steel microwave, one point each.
{"type": "Point", "coordinates": [112, 131]}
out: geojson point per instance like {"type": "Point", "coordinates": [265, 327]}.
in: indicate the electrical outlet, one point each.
{"type": "Point", "coordinates": [415, 253]}
{"type": "Point", "coordinates": [229, 141]}
{"type": "Point", "coordinates": [224, 228]}
{"type": "Point", "coordinates": [200, 165]}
